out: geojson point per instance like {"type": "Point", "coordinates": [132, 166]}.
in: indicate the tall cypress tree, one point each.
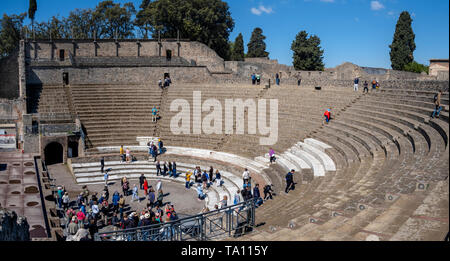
{"type": "Point", "coordinates": [403, 44]}
{"type": "Point", "coordinates": [237, 53]}
{"type": "Point", "coordinates": [308, 55]}
{"type": "Point", "coordinates": [257, 46]}
{"type": "Point", "coordinates": [31, 11]}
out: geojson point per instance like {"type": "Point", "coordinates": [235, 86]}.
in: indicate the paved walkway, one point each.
{"type": "Point", "coordinates": [185, 201]}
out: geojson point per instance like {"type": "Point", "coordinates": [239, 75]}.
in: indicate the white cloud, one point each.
{"type": "Point", "coordinates": [375, 5]}
{"type": "Point", "coordinates": [391, 13]}
{"type": "Point", "coordinates": [327, 1]}
{"type": "Point", "coordinates": [261, 9]}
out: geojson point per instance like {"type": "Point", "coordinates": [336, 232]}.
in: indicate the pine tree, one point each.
{"type": "Point", "coordinates": [308, 56]}
{"type": "Point", "coordinates": [257, 46]}
{"type": "Point", "coordinates": [403, 44]}
{"type": "Point", "coordinates": [31, 11]}
{"type": "Point", "coordinates": [237, 53]}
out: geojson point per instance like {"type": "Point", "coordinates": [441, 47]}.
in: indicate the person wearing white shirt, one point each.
{"type": "Point", "coordinates": [246, 176]}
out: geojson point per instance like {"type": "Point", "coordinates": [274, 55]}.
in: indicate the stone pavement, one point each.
{"type": "Point", "coordinates": [184, 201]}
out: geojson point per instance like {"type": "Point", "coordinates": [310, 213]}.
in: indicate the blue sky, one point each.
{"type": "Point", "coordinates": [357, 31]}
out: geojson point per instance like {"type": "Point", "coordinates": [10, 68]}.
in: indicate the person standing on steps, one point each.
{"type": "Point", "coordinates": [154, 114]}
{"type": "Point", "coordinates": [253, 78]}
{"type": "Point", "coordinates": [366, 87]}
{"type": "Point", "coordinates": [160, 84]}
{"type": "Point", "coordinates": [299, 81]}
{"type": "Point", "coordinates": [141, 181]}
{"type": "Point", "coordinates": [374, 85]}
{"type": "Point", "coordinates": [290, 185]}
{"type": "Point", "coordinates": [158, 168]}
{"type": "Point", "coordinates": [277, 79]}
{"type": "Point", "coordinates": [437, 104]}
{"type": "Point", "coordinates": [355, 85]}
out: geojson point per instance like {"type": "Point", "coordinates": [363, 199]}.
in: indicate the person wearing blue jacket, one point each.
{"type": "Point", "coordinates": [115, 200]}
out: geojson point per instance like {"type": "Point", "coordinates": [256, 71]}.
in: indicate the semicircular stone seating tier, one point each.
{"type": "Point", "coordinates": [396, 187]}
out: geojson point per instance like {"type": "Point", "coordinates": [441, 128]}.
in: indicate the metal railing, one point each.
{"type": "Point", "coordinates": [230, 221]}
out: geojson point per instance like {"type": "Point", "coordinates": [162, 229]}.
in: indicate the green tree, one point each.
{"type": "Point", "coordinates": [143, 19]}
{"type": "Point", "coordinates": [308, 55]}
{"type": "Point", "coordinates": [82, 24]}
{"type": "Point", "coordinates": [403, 45]}
{"type": "Point", "coordinates": [416, 67]}
{"type": "Point", "coordinates": [10, 33]}
{"type": "Point", "coordinates": [257, 46]}
{"type": "Point", "coordinates": [31, 12]}
{"type": "Point", "coordinates": [111, 18]}
{"type": "Point", "coordinates": [237, 50]}
{"type": "Point", "coordinates": [205, 21]}
{"type": "Point", "coordinates": [54, 29]}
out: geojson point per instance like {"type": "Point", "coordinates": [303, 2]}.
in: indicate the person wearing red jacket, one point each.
{"type": "Point", "coordinates": [145, 186]}
{"type": "Point", "coordinates": [327, 115]}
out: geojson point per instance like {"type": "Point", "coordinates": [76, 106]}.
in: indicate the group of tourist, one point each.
{"type": "Point", "coordinates": [165, 84]}
{"type": "Point", "coordinates": [375, 85]}
{"type": "Point", "coordinates": [256, 79]}
{"type": "Point", "coordinates": [82, 219]}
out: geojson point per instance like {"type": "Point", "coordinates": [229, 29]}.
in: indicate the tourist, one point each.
{"type": "Point", "coordinates": [125, 186]}
{"type": "Point", "coordinates": [218, 179]}
{"type": "Point", "coordinates": [224, 202]}
{"type": "Point", "coordinates": [188, 179]}
{"type": "Point", "coordinates": [290, 185]}
{"type": "Point", "coordinates": [65, 201]}
{"type": "Point", "coordinates": [258, 79]}
{"type": "Point", "coordinates": [154, 152]}
{"type": "Point", "coordinates": [299, 81]}
{"type": "Point", "coordinates": [437, 105]}
{"type": "Point", "coordinates": [174, 169]}
{"type": "Point", "coordinates": [253, 78]}
{"type": "Point", "coordinates": [80, 216]}
{"type": "Point", "coordinates": [355, 85]}
{"type": "Point", "coordinates": [145, 187]}
{"type": "Point", "coordinates": [95, 210]}
{"type": "Point", "coordinates": [151, 197]}
{"type": "Point", "coordinates": [246, 176]}
{"type": "Point", "coordinates": [374, 85]}
{"type": "Point", "coordinates": [378, 85]}
{"type": "Point", "coordinates": [169, 165]}
{"type": "Point", "coordinates": [122, 154]}
{"type": "Point", "coordinates": [135, 194]}
{"type": "Point", "coordinates": [366, 87]}
{"type": "Point", "coordinates": [160, 198]}
{"type": "Point", "coordinates": [93, 228]}
{"type": "Point", "coordinates": [80, 199]}
{"type": "Point", "coordinates": [102, 164]}
{"type": "Point", "coordinates": [72, 228]}
{"type": "Point", "coordinates": [104, 210]}
{"type": "Point", "coordinates": [128, 155]}
{"type": "Point", "coordinates": [272, 156]}
{"type": "Point", "coordinates": [205, 179]}
{"type": "Point", "coordinates": [106, 177]}
{"type": "Point", "coordinates": [106, 192]}
{"type": "Point", "coordinates": [115, 200]}
{"type": "Point", "coordinates": [237, 197]}
{"type": "Point", "coordinates": [268, 192]}
{"type": "Point", "coordinates": [161, 146]}
{"type": "Point", "coordinates": [164, 172]}
{"type": "Point", "coordinates": [121, 205]}
{"type": "Point", "coordinates": [158, 185]}
{"type": "Point", "coordinates": [160, 85]}
{"type": "Point", "coordinates": [327, 116]}
{"type": "Point", "coordinates": [154, 113]}
{"type": "Point", "coordinates": [158, 168]}
{"type": "Point", "coordinates": [141, 181]}
{"type": "Point", "coordinates": [200, 193]}
{"type": "Point", "coordinates": [257, 195]}
{"type": "Point", "coordinates": [59, 195]}
{"type": "Point", "coordinates": [85, 193]}
{"type": "Point", "coordinates": [246, 193]}
{"type": "Point", "coordinates": [277, 79]}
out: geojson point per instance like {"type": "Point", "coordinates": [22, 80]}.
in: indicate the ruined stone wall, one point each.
{"type": "Point", "coordinates": [118, 75]}
{"type": "Point", "coordinates": [9, 77]}
{"type": "Point", "coordinates": [197, 52]}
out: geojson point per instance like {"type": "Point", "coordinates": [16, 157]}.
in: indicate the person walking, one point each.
{"type": "Point", "coordinates": [115, 201]}
{"type": "Point", "coordinates": [154, 113]}
{"type": "Point", "coordinates": [141, 181]}
{"type": "Point", "coordinates": [246, 176]}
{"type": "Point", "coordinates": [161, 146]}
{"type": "Point", "coordinates": [121, 205]}
{"type": "Point", "coordinates": [253, 78]}
{"type": "Point", "coordinates": [135, 194]}
{"type": "Point", "coordinates": [327, 116]}
{"type": "Point", "coordinates": [145, 187]}
{"type": "Point", "coordinates": [218, 179]}
{"type": "Point", "coordinates": [437, 105]}
{"type": "Point", "coordinates": [355, 84]}
{"type": "Point", "coordinates": [102, 164]}
{"type": "Point", "coordinates": [66, 201]}
{"type": "Point", "coordinates": [174, 169]}
{"type": "Point", "coordinates": [268, 192]}
{"type": "Point", "coordinates": [290, 181]}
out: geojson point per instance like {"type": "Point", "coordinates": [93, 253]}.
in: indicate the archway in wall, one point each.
{"type": "Point", "coordinates": [72, 149]}
{"type": "Point", "coordinates": [53, 153]}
